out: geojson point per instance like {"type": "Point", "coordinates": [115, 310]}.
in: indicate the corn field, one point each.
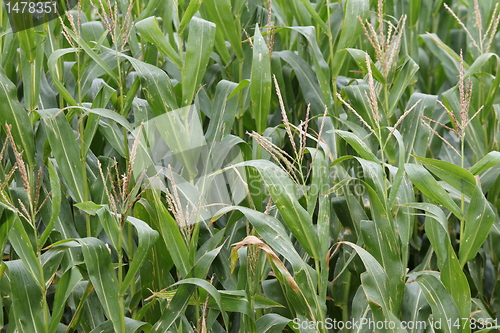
{"type": "Point", "coordinates": [250, 166]}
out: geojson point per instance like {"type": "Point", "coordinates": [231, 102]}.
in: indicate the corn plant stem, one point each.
{"type": "Point", "coordinates": [42, 277]}
{"type": "Point", "coordinates": [253, 279]}
{"type": "Point", "coordinates": [119, 251]}
{"type": "Point", "coordinates": [137, 8]}
{"type": "Point", "coordinates": [79, 75]}
{"type": "Point", "coordinates": [345, 301]}
{"type": "Point", "coordinates": [130, 258]}
{"type": "Point", "coordinates": [317, 265]}
{"type": "Point", "coordinates": [181, 53]}
{"type": "Point", "coordinates": [241, 130]}
{"type": "Point", "coordinates": [121, 100]}
{"type": "Point", "coordinates": [462, 199]}
{"type": "Point", "coordinates": [323, 278]}
{"type": "Point", "coordinates": [199, 309]}
{"type": "Point", "coordinates": [2, 23]}
{"type": "Point", "coordinates": [60, 71]}
{"type": "Point", "coordinates": [262, 263]}
{"type": "Point", "coordinates": [83, 159]}
{"type": "Point", "coordinates": [32, 218]}
{"type": "Point", "coordinates": [33, 82]}
{"type": "Point", "coordinates": [321, 316]}
{"type": "Point", "coordinates": [386, 98]}
{"type": "Point", "coordinates": [382, 158]}
{"type": "Point", "coordinates": [330, 59]}
{"type": "Point", "coordinates": [44, 292]}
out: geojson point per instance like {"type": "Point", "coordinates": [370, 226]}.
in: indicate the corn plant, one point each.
{"type": "Point", "coordinates": [250, 166]}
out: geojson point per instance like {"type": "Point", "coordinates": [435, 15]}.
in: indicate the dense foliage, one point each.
{"type": "Point", "coordinates": [251, 166]}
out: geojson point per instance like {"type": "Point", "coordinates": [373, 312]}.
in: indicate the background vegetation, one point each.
{"type": "Point", "coordinates": [324, 160]}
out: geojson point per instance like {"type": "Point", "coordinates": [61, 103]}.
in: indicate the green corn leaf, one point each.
{"type": "Point", "coordinates": [13, 113]}
{"type": "Point", "coordinates": [221, 47]}
{"type": "Point", "coordinates": [54, 72]}
{"type": "Point", "coordinates": [199, 47]}
{"type": "Point", "coordinates": [454, 175]}
{"type": "Point", "coordinates": [375, 177]}
{"type": "Point", "coordinates": [56, 75]}
{"type": "Point", "coordinates": [183, 294]}
{"type": "Point", "coordinates": [182, 131]}
{"type": "Point", "coordinates": [414, 13]}
{"type": "Point", "coordinates": [114, 136]}
{"type": "Point", "coordinates": [108, 222]}
{"type": "Point", "coordinates": [271, 323]}
{"type": "Point", "coordinates": [226, 110]}
{"type": "Point", "coordinates": [9, 216]}
{"type": "Point", "coordinates": [28, 42]}
{"type": "Point", "coordinates": [351, 30]}
{"type": "Point", "coordinates": [322, 75]}
{"type": "Point", "coordinates": [21, 243]}
{"type": "Point", "coordinates": [308, 81]}
{"type": "Point", "coordinates": [151, 31]}
{"type": "Point", "coordinates": [32, 71]}
{"type": "Point", "coordinates": [442, 304]}
{"type": "Point", "coordinates": [295, 10]}
{"type": "Point", "coordinates": [89, 207]}
{"type": "Point", "coordinates": [414, 133]}
{"type": "Point", "coordinates": [147, 237]}
{"type": "Point", "coordinates": [157, 86]}
{"type": "Point", "coordinates": [283, 192]}
{"type": "Point", "coordinates": [27, 299]}
{"type": "Point", "coordinates": [424, 181]}
{"type": "Point", "coordinates": [359, 101]}
{"type": "Point", "coordinates": [319, 186]}
{"type": "Point", "coordinates": [101, 274]}
{"type": "Point", "coordinates": [448, 58]}
{"type": "Point", "coordinates": [95, 57]}
{"type": "Point", "coordinates": [457, 285]}
{"type": "Point", "coordinates": [438, 231]}
{"type": "Point", "coordinates": [359, 57]}
{"type": "Point", "coordinates": [452, 276]}
{"type": "Point", "coordinates": [65, 286]}
{"type": "Point", "coordinates": [489, 160]}
{"type": "Point", "coordinates": [151, 7]}
{"type": "Point", "coordinates": [109, 114]}
{"type": "Point", "coordinates": [211, 290]}
{"type": "Point", "coordinates": [381, 241]}
{"type": "Point", "coordinates": [220, 12]}
{"type": "Point", "coordinates": [375, 280]}
{"type": "Point", "coordinates": [169, 230]}
{"type": "Point", "coordinates": [191, 9]}
{"type": "Point", "coordinates": [260, 81]}
{"type": "Point", "coordinates": [478, 221]}
{"type": "Point", "coordinates": [479, 63]}
{"type": "Point", "coordinates": [55, 188]}
{"type": "Point", "coordinates": [307, 4]}
{"type": "Point", "coordinates": [385, 244]}
{"type": "Point", "coordinates": [398, 179]}
{"type": "Point", "coordinates": [358, 145]}
{"type": "Point", "coordinates": [403, 78]}
{"type": "Point", "coordinates": [272, 231]}
{"type": "Point", "coordinates": [65, 149]}
{"type": "Point", "coordinates": [276, 236]}
{"type": "Point", "coordinates": [131, 326]}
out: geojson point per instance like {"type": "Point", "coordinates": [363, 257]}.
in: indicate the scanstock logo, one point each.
{"type": "Point", "coordinates": [196, 171]}
{"type": "Point", "coordinates": [26, 14]}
